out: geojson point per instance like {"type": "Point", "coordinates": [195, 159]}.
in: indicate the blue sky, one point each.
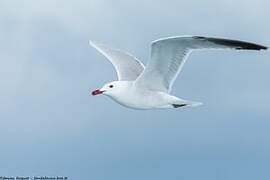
{"type": "Point", "coordinates": [51, 126]}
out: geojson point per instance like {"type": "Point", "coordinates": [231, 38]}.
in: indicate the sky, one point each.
{"type": "Point", "coordinates": [51, 126]}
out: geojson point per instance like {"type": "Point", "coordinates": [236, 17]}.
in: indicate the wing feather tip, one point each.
{"type": "Point", "coordinates": [91, 43]}
{"type": "Point", "coordinates": [97, 45]}
{"type": "Point", "coordinates": [238, 45]}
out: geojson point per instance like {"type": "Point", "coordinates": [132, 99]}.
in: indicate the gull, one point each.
{"type": "Point", "coordinates": [148, 87]}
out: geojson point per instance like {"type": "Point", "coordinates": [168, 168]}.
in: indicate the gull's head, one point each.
{"type": "Point", "coordinates": [111, 89]}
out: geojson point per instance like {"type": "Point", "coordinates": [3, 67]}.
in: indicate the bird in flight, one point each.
{"type": "Point", "coordinates": [148, 87]}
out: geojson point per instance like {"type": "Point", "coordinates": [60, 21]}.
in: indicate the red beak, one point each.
{"type": "Point", "coordinates": [96, 92]}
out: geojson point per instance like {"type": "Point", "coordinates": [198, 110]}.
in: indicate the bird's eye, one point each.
{"type": "Point", "coordinates": [111, 86]}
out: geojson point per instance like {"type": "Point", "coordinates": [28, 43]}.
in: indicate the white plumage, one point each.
{"type": "Point", "coordinates": [148, 87]}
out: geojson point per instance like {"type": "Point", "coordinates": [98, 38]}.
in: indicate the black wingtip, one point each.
{"type": "Point", "coordinates": [239, 45]}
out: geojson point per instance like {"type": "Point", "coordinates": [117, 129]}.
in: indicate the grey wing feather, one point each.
{"type": "Point", "coordinates": [127, 66]}
{"type": "Point", "coordinates": [168, 56]}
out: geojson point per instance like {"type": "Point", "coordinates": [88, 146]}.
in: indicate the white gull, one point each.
{"type": "Point", "coordinates": [149, 87]}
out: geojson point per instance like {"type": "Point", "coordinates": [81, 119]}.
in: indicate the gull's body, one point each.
{"type": "Point", "coordinates": [149, 87]}
{"type": "Point", "coordinates": [131, 96]}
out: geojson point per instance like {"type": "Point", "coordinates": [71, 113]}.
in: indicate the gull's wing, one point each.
{"type": "Point", "coordinates": [127, 67]}
{"type": "Point", "coordinates": [168, 56]}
